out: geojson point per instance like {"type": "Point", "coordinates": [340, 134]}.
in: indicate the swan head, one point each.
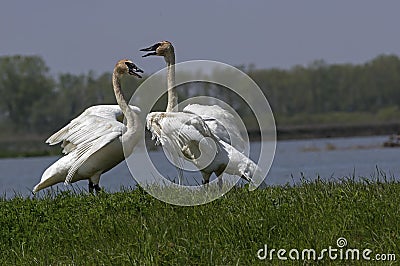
{"type": "Point", "coordinates": [126, 66]}
{"type": "Point", "coordinates": [164, 48]}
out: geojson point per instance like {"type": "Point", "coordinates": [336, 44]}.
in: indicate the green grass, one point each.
{"type": "Point", "coordinates": [133, 228]}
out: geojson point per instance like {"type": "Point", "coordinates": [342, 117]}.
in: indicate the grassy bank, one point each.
{"type": "Point", "coordinates": [131, 227]}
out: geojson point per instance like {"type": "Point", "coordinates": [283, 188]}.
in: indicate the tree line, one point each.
{"type": "Point", "coordinates": [368, 92]}
{"type": "Point", "coordinates": [34, 102]}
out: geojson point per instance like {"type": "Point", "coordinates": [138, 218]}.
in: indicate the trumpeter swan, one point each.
{"type": "Point", "coordinates": [188, 134]}
{"type": "Point", "coordinates": [220, 121]}
{"type": "Point", "coordinates": [96, 141]}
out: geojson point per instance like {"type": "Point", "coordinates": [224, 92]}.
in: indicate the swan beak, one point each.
{"type": "Point", "coordinates": [148, 54]}
{"type": "Point", "coordinates": [134, 71]}
{"type": "Point", "coordinates": [151, 48]}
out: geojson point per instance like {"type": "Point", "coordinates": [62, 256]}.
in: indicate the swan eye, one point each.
{"type": "Point", "coordinates": [129, 64]}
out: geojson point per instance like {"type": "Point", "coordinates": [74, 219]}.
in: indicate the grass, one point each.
{"type": "Point", "coordinates": [133, 228]}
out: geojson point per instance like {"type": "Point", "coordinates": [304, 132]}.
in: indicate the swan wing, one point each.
{"type": "Point", "coordinates": [108, 112]}
{"type": "Point", "coordinates": [89, 136]}
{"type": "Point", "coordinates": [111, 112]}
{"type": "Point", "coordinates": [221, 123]}
{"type": "Point", "coordinates": [180, 132]}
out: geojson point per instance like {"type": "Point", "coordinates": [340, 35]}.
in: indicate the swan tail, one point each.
{"type": "Point", "coordinates": [249, 171]}
{"type": "Point", "coordinates": [54, 174]}
{"type": "Point", "coordinates": [254, 175]}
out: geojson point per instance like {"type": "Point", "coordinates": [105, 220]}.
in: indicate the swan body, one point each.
{"type": "Point", "coordinates": [221, 123]}
{"type": "Point", "coordinates": [96, 140]}
{"type": "Point", "coordinates": [194, 133]}
{"type": "Point", "coordinates": [188, 136]}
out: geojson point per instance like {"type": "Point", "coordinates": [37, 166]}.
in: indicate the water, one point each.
{"type": "Point", "coordinates": [329, 158]}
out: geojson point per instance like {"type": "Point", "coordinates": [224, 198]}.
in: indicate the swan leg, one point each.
{"type": "Point", "coordinates": [94, 183]}
{"type": "Point", "coordinates": [220, 182]}
{"type": "Point", "coordinates": [206, 178]}
{"type": "Point", "coordinates": [91, 187]}
{"type": "Point", "coordinates": [97, 188]}
{"type": "Point", "coordinates": [94, 187]}
{"type": "Point", "coordinates": [219, 172]}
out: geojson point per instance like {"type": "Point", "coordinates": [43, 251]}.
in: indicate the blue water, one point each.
{"type": "Point", "coordinates": [328, 158]}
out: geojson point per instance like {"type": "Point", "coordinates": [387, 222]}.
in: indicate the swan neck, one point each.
{"type": "Point", "coordinates": [172, 94]}
{"type": "Point", "coordinates": [126, 110]}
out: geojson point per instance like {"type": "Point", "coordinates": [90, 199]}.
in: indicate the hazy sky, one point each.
{"type": "Point", "coordinates": [78, 36]}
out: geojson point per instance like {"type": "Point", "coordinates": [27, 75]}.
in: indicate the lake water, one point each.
{"type": "Point", "coordinates": [329, 158]}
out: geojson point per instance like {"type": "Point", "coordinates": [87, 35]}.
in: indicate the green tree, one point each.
{"type": "Point", "coordinates": [24, 80]}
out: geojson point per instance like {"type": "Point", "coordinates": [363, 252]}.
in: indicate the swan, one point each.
{"type": "Point", "coordinates": [189, 136]}
{"type": "Point", "coordinates": [93, 142]}
{"type": "Point", "coordinates": [221, 122]}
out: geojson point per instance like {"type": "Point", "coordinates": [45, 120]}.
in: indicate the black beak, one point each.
{"type": "Point", "coordinates": [148, 54]}
{"type": "Point", "coordinates": [135, 72]}
{"type": "Point", "coordinates": [133, 69]}
{"type": "Point", "coordinates": [151, 48]}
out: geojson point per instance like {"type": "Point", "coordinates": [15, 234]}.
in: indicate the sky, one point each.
{"type": "Point", "coordinates": [78, 36]}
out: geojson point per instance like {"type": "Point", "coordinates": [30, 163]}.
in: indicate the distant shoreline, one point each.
{"type": "Point", "coordinates": [331, 131]}
{"type": "Point", "coordinates": [30, 146]}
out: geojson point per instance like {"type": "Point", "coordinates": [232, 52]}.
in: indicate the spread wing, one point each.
{"type": "Point", "coordinates": [109, 112]}
{"type": "Point", "coordinates": [221, 123]}
{"type": "Point", "coordinates": [90, 135]}
{"type": "Point", "coordinates": [181, 133]}
{"type": "Point", "coordinates": [89, 132]}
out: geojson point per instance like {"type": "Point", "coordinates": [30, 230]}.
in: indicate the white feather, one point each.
{"type": "Point", "coordinates": [183, 133]}
{"type": "Point", "coordinates": [221, 123]}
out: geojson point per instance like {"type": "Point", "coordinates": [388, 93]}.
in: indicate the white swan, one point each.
{"type": "Point", "coordinates": [221, 122]}
{"type": "Point", "coordinates": [93, 142]}
{"type": "Point", "coordinates": [188, 135]}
